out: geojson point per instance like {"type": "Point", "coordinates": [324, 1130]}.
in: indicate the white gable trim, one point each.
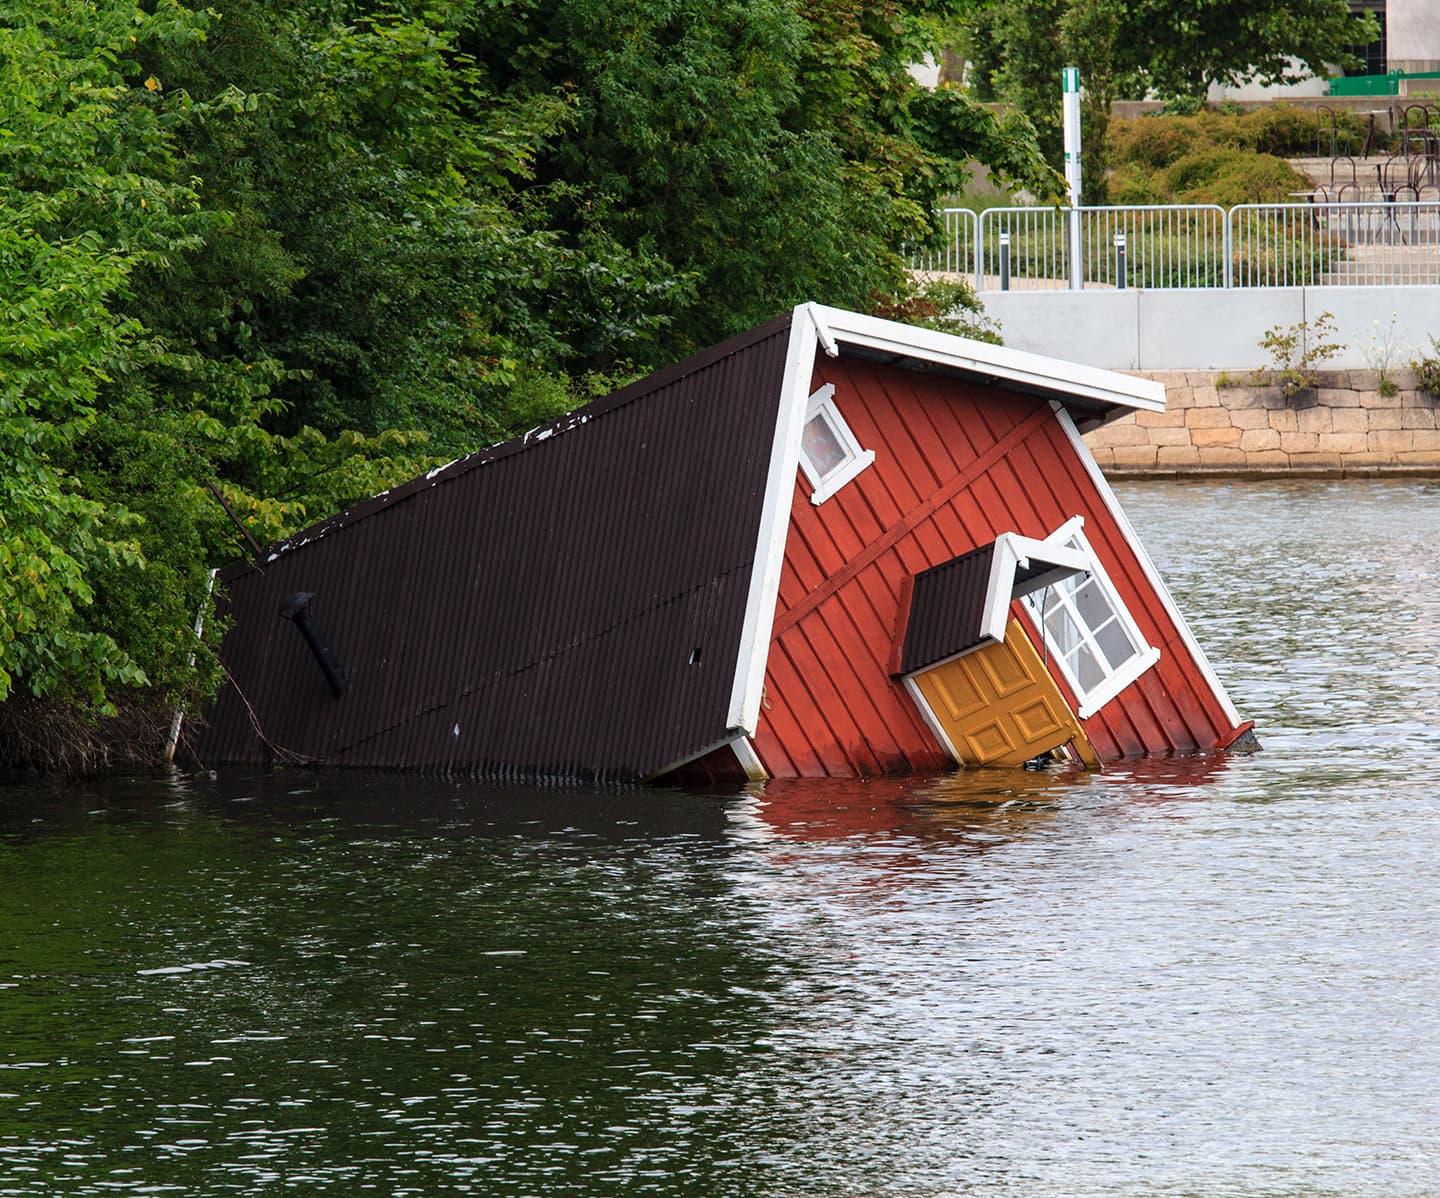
{"type": "Point", "coordinates": [991, 361]}
{"type": "Point", "coordinates": [749, 685]}
{"type": "Point", "coordinates": [927, 713]}
{"type": "Point", "coordinates": [749, 760]}
{"type": "Point", "coordinates": [1102, 485]}
{"type": "Point", "coordinates": [1012, 551]}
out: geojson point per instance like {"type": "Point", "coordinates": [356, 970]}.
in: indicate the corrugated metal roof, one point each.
{"type": "Point", "coordinates": [947, 609]}
{"type": "Point", "coordinates": [569, 603]}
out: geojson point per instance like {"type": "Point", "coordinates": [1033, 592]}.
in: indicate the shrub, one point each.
{"type": "Point", "coordinates": [1295, 352]}
{"type": "Point", "coordinates": [1226, 129]}
{"type": "Point", "coordinates": [1223, 176]}
{"type": "Point", "coordinates": [949, 306]}
{"type": "Point", "coordinates": [1131, 183]}
{"type": "Point", "coordinates": [1151, 142]}
{"type": "Point", "coordinates": [1182, 106]}
{"type": "Point", "coordinates": [1156, 143]}
{"type": "Point", "coordinates": [1282, 130]}
{"type": "Point", "coordinates": [1427, 369]}
{"type": "Point", "coordinates": [1380, 353]}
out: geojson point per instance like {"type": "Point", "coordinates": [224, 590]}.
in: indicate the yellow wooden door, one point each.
{"type": "Point", "coordinates": [999, 705]}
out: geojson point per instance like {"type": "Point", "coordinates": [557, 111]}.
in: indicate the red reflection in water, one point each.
{"type": "Point", "coordinates": [1004, 801]}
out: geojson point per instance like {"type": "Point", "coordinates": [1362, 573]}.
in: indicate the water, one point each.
{"type": "Point", "coordinates": [1186, 977]}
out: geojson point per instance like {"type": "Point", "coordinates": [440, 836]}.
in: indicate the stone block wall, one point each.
{"type": "Point", "coordinates": [1219, 424]}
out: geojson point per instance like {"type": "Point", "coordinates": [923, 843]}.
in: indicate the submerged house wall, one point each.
{"type": "Point", "coordinates": [956, 465]}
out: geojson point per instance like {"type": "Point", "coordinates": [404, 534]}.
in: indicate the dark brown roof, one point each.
{"type": "Point", "coordinates": [960, 604]}
{"type": "Point", "coordinates": [569, 603]}
{"type": "Point", "coordinates": [947, 608]}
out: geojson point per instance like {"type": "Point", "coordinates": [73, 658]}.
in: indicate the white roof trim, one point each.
{"type": "Point", "coordinates": [992, 361]}
{"type": "Point", "coordinates": [827, 339]}
{"type": "Point", "coordinates": [1187, 637]}
{"type": "Point", "coordinates": [1012, 551]}
{"type": "Point", "coordinates": [749, 686]}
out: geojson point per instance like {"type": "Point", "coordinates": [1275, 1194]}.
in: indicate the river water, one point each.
{"type": "Point", "coordinates": [1206, 976]}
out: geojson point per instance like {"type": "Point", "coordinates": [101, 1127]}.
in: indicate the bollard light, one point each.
{"type": "Point", "coordinates": [1120, 261]}
{"type": "Point", "coordinates": [1004, 260]}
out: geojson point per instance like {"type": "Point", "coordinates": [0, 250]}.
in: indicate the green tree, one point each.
{"type": "Point", "coordinates": [380, 242]}
{"type": "Point", "coordinates": [1167, 48]}
{"type": "Point", "coordinates": [112, 423]}
{"type": "Point", "coordinates": [79, 211]}
{"type": "Point", "coordinates": [766, 151]}
{"type": "Point", "coordinates": [297, 250]}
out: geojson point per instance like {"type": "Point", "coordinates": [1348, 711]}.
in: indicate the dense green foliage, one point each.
{"type": "Point", "coordinates": [1282, 130]}
{"type": "Point", "coordinates": [1210, 157]}
{"type": "Point", "coordinates": [1165, 48]}
{"type": "Point", "coordinates": [299, 250]}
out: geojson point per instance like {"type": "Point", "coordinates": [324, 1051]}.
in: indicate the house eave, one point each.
{"type": "Point", "coordinates": [1086, 389]}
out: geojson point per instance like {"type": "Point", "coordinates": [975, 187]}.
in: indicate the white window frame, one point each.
{"type": "Point", "coordinates": [1071, 534]}
{"type": "Point", "coordinates": [822, 404]}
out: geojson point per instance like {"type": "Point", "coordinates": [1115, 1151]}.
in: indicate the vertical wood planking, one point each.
{"type": "Point", "coordinates": [926, 430]}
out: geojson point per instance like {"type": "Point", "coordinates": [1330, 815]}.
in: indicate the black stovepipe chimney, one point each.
{"type": "Point", "coordinates": [296, 608]}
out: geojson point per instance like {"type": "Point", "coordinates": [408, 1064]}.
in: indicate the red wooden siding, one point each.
{"type": "Point", "coordinates": [956, 464]}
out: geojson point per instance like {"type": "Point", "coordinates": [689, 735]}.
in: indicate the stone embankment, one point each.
{"type": "Point", "coordinates": [1216, 423]}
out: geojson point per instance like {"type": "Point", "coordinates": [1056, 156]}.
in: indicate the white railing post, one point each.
{"type": "Point", "coordinates": [1228, 251]}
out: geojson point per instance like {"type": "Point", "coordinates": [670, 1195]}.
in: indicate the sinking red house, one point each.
{"type": "Point", "coordinates": [834, 545]}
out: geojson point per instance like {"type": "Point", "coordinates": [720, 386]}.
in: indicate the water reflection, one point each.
{"type": "Point", "coordinates": [1208, 975]}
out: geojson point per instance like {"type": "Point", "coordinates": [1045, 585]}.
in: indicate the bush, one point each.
{"type": "Point", "coordinates": [1131, 183]}
{"type": "Point", "coordinates": [1230, 156]}
{"type": "Point", "coordinates": [1151, 142]}
{"type": "Point", "coordinates": [1427, 369]}
{"type": "Point", "coordinates": [1222, 176]}
{"type": "Point", "coordinates": [1283, 130]}
{"type": "Point", "coordinates": [946, 305]}
{"type": "Point", "coordinates": [1295, 353]}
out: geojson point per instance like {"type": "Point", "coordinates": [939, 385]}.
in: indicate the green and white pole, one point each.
{"type": "Point", "coordinates": [1071, 113]}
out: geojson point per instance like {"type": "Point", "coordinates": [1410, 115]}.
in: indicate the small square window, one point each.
{"type": "Point", "coordinates": [830, 455]}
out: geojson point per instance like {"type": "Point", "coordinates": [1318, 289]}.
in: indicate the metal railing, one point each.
{"type": "Point", "coordinates": [957, 255]}
{"type": "Point", "coordinates": [1376, 243]}
{"type": "Point", "coordinates": [1369, 243]}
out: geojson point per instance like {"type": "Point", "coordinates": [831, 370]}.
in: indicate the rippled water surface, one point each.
{"type": "Point", "coordinates": [1185, 977]}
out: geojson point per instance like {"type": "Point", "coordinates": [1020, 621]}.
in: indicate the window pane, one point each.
{"type": "Point", "coordinates": [1088, 671]}
{"type": "Point", "coordinates": [1085, 628]}
{"type": "Point", "coordinates": [1115, 643]}
{"type": "Point", "coordinates": [1060, 628]}
{"type": "Point", "coordinates": [1092, 604]}
{"type": "Point", "coordinates": [822, 446]}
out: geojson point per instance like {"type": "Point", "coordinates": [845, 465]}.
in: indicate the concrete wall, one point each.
{"type": "Point", "coordinates": [1344, 426]}
{"type": "Point", "coordinates": [1312, 88]}
{"type": "Point", "coordinates": [1209, 329]}
{"type": "Point", "coordinates": [1412, 35]}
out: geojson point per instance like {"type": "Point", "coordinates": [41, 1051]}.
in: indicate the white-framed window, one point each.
{"type": "Point", "coordinates": [1087, 629]}
{"type": "Point", "coordinates": [830, 455]}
